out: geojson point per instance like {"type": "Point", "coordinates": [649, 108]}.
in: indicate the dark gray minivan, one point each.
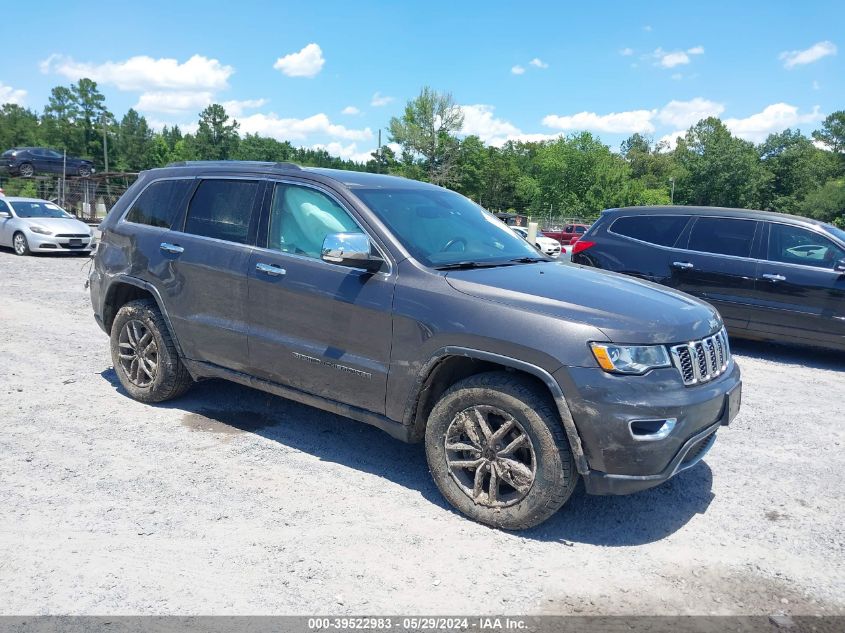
{"type": "Point", "coordinates": [407, 306]}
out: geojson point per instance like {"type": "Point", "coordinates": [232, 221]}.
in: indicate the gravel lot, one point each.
{"type": "Point", "coordinates": [230, 501]}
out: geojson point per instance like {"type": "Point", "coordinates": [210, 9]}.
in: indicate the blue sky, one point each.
{"type": "Point", "coordinates": [333, 73]}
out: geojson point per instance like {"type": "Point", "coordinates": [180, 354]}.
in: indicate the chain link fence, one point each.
{"type": "Point", "coordinates": [89, 199]}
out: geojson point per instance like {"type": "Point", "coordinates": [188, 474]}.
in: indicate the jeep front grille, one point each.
{"type": "Point", "coordinates": [701, 361]}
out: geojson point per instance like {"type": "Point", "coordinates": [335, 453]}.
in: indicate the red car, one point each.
{"type": "Point", "coordinates": [569, 234]}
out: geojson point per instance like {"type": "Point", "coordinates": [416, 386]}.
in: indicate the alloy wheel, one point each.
{"type": "Point", "coordinates": [20, 244]}
{"type": "Point", "coordinates": [138, 353]}
{"type": "Point", "coordinates": [490, 456]}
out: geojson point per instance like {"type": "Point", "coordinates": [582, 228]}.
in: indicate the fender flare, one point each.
{"type": "Point", "coordinates": [538, 372]}
{"type": "Point", "coordinates": [143, 285]}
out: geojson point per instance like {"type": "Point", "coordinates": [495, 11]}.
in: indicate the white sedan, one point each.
{"type": "Point", "coordinates": [30, 225]}
{"type": "Point", "coordinates": [547, 245]}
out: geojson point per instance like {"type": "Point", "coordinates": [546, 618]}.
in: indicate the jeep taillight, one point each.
{"type": "Point", "coordinates": [581, 245]}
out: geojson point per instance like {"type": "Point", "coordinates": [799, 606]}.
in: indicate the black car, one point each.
{"type": "Point", "coordinates": [27, 161]}
{"type": "Point", "coordinates": [772, 276]}
{"type": "Point", "coordinates": [409, 307]}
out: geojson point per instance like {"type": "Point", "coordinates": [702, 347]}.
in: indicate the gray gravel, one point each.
{"type": "Point", "coordinates": [230, 501]}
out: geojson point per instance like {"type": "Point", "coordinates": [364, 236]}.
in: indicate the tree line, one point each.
{"type": "Point", "coordinates": [574, 175]}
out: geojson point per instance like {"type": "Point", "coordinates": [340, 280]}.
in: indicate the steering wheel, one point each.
{"type": "Point", "coordinates": [452, 242]}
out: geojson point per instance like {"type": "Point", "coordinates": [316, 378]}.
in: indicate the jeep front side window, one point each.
{"type": "Point", "coordinates": [301, 217]}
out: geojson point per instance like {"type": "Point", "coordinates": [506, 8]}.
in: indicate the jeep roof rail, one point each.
{"type": "Point", "coordinates": [226, 163]}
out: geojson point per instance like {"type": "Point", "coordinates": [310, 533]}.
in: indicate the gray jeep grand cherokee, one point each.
{"type": "Point", "coordinates": [407, 306]}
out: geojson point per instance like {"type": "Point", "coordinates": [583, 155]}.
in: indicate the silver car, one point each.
{"type": "Point", "coordinates": [30, 225]}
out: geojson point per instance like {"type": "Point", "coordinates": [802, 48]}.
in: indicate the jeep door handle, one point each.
{"type": "Point", "coordinates": [683, 265]}
{"type": "Point", "coordinates": [270, 269]}
{"type": "Point", "coordinates": [175, 249]}
{"type": "Point", "coordinates": [772, 277]}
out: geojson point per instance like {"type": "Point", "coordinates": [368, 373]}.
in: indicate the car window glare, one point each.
{"type": "Point", "coordinates": [440, 227]}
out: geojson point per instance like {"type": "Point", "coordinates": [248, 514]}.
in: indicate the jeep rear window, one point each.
{"type": "Point", "coordinates": [222, 209]}
{"type": "Point", "coordinates": [662, 230]}
{"type": "Point", "coordinates": [442, 227]}
{"type": "Point", "coordinates": [159, 203]}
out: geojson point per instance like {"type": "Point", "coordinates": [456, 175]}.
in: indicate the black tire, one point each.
{"type": "Point", "coordinates": [503, 395]}
{"type": "Point", "coordinates": [20, 245]}
{"type": "Point", "coordinates": [26, 170]}
{"type": "Point", "coordinates": [84, 171]}
{"type": "Point", "coordinates": [170, 379]}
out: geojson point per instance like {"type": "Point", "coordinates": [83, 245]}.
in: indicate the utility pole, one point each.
{"type": "Point", "coordinates": [64, 173]}
{"type": "Point", "coordinates": [104, 119]}
{"type": "Point", "coordinates": [672, 195]}
{"type": "Point", "coordinates": [378, 152]}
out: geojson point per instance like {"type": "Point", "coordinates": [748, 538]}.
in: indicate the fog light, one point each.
{"type": "Point", "coordinates": [647, 430]}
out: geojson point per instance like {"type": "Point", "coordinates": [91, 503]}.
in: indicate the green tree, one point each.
{"type": "Point", "coordinates": [91, 115]}
{"type": "Point", "coordinates": [426, 133]}
{"type": "Point", "coordinates": [832, 132]}
{"type": "Point", "coordinates": [135, 140]}
{"type": "Point", "coordinates": [18, 127]}
{"type": "Point", "coordinates": [717, 169]}
{"type": "Point", "coordinates": [60, 121]}
{"type": "Point", "coordinates": [827, 203]}
{"type": "Point", "coordinates": [216, 137]}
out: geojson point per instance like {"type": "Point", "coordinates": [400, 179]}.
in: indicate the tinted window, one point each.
{"type": "Point", "coordinates": [723, 236]}
{"type": "Point", "coordinates": [301, 217]}
{"type": "Point", "coordinates": [794, 245]}
{"type": "Point", "coordinates": [222, 209]}
{"type": "Point", "coordinates": [159, 204]}
{"type": "Point", "coordinates": [655, 229]}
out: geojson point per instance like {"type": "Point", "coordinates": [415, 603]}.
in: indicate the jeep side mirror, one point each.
{"type": "Point", "coordinates": [840, 266]}
{"type": "Point", "coordinates": [350, 249]}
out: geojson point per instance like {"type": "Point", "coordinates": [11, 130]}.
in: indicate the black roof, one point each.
{"type": "Point", "coordinates": [746, 214]}
{"type": "Point", "coordinates": [351, 179]}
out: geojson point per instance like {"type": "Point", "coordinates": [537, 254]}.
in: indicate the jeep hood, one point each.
{"type": "Point", "coordinates": [627, 310]}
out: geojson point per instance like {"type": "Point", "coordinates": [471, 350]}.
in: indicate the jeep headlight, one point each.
{"type": "Point", "coordinates": [39, 229]}
{"type": "Point", "coordinates": [630, 359]}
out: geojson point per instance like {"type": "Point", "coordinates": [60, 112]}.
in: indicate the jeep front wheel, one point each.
{"type": "Point", "coordinates": [497, 451]}
{"type": "Point", "coordinates": [144, 354]}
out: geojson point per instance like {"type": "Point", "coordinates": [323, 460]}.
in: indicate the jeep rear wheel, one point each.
{"type": "Point", "coordinates": [497, 451]}
{"type": "Point", "coordinates": [144, 354]}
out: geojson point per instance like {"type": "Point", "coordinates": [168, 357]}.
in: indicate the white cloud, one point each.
{"type": "Point", "coordinates": [538, 63]}
{"type": "Point", "coordinates": [173, 102]}
{"type": "Point", "coordinates": [791, 59]}
{"type": "Point", "coordinates": [479, 120]}
{"type": "Point", "coordinates": [347, 152]}
{"type": "Point", "coordinates": [350, 110]}
{"type": "Point", "coordinates": [671, 140]}
{"type": "Point", "coordinates": [186, 127]}
{"type": "Point", "coordinates": [287, 129]}
{"type": "Point", "coordinates": [306, 63]}
{"type": "Point", "coordinates": [12, 95]}
{"type": "Point", "coordinates": [613, 123]}
{"type": "Point", "coordinates": [774, 118]}
{"type": "Point", "coordinates": [235, 108]}
{"type": "Point", "coordinates": [518, 70]}
{"type": "Point", "coordinates": [380, 100]}
{"type": "Point", "coordinates": [682, 114]}
{"type": "Point", "coordinates": [647, 28]}
{"type": "Point", "coordinates": [626, 52]}
{"type": "Point", "coordinates": [670, 59]}
{"type": "Point", "coordinates": [145, 73]}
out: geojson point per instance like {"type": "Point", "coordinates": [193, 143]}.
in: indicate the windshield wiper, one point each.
{"type": "Point", "coordinates": [529, 260]}
{"type": "Point", "coordinates": [470, 264]}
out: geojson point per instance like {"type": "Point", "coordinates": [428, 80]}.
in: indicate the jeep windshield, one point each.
{"type": "Point", "coordinates": [445, 229]}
